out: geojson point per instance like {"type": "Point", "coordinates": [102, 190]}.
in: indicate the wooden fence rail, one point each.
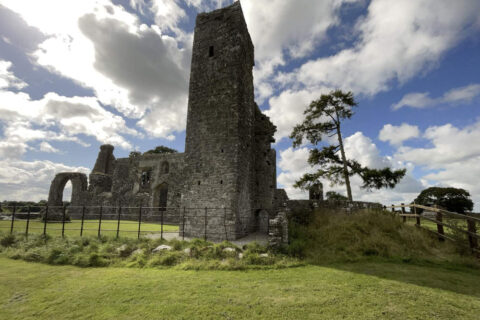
{"type": "Point", "coordinates": [470, 231]}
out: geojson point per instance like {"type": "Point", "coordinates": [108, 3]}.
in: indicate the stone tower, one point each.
{"type": "Point", "coordinates": [221, 123]}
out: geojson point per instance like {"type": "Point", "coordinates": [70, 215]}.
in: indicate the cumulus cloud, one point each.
{"type": "Point", "coordinates": [47, 147]}
{"type": "Point", "coordinates": [396, 135]}
{"type": "Point", "coordinates": [135, 68]}
{"type": "Point", "coordinates": [423, 100]}
{"type": "Point", "coordinates": [398, 40]}
{"type": "Point", "coordinates": [452, 159]}
{"type": "Point", "coordinates": [59, 118]}
{"type": "Point", "coordinates": [287, 110]}
{"type": "Point", "coordinates": [277, 42]}
{"type": "Point", "coordinates": [25, 180]}
{"type": "Point", "coordinates": [8, 79]}
{"type": "Point", "coordinates": [293, 164]}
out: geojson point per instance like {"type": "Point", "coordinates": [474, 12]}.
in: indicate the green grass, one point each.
{"type": "Point", "coordinates": [362, 266]}
{"type": "Point", "coordinates": [459, 223]}
{"type": "Point", "coordinates": [108, 227]}
{"type": "Point", "coordinates": [362, 290]}
{"type": "Point", "coordinates": [336, 237]}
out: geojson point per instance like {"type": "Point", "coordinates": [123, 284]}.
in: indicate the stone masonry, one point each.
{"type": "Point", "coordinates": [228, 166]}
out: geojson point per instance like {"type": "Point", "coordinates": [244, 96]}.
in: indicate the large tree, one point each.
{"type": "Point", "coordinates": [323, 118]}
{"type": "Point", "coordinates": [452, 199]}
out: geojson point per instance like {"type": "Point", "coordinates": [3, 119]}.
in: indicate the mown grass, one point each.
{"type": "Point", "coordinates": [108, 227]}
{"type": "Point", "coordinates": [362, 266]}
{"type": "Point", "coordinates": [361, 290]}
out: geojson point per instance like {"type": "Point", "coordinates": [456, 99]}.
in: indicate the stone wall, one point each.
{"type": "Point", "coordinates": [340, 205]}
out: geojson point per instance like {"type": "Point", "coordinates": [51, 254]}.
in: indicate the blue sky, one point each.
{"type": "Point", "coordinates": [77, 74]}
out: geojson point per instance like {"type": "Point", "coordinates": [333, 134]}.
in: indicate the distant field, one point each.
{"type": "Point", "coordinates": [342, 291]}
{"type": "Point", "coordinates": [460, 223]}
{"type": "Point", "coordinates": [108, 228]}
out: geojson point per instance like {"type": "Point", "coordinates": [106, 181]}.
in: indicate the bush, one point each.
{"type": "Point", "coordinates": [94, 252]}
{"type": "Point", "coordinates": [7, 240]}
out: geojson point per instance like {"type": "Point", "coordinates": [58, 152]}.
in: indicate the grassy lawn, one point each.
{"type": "Point", "coordinates": [363, 290]}
{"type": "Point", "coordinates": [108, 228]}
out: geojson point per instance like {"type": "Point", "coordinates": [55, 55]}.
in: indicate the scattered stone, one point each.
{"type": "Point", "coordinates": [122, 248]}
{"type": "Point", "coordinates": [228, 249]}
{"type": "Point", "coordinates": [161, 248]}
{"type": "Point", "coordinates": [138, 251]}
{"type": "Point", "coordinates": [263, 255]}
{"type": "Point", "coordinates": [240, 255]}
{"type": "Point", "coordinates": [187, 250]}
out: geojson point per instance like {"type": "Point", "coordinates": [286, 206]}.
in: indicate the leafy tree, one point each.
{"type": "Point", "coordinates": [323, 117]}
{"type": "Point", "coordinates": [332, 195]}
{"type": "Point", "coordinates": [134, 154]}
{"type": "Point", "coordinates": [452, 199]}
{"type": "Point", "coordinates": [161, 149]}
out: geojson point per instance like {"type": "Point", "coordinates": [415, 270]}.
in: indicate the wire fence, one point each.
{"type": "Point", "coordinates": [162, 222]}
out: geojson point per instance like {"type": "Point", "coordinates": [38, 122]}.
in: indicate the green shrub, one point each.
{"type": "Point", "coordinates": [7, 240]}
{"type": "Point", "coordinates": [167, 258]}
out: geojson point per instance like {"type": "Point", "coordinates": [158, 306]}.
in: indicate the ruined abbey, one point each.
{"type": "Point", "coordinates": [228, 165]}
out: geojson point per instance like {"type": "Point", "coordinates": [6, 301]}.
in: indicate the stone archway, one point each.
{"type": "Point", "coordinates": [55, 196]}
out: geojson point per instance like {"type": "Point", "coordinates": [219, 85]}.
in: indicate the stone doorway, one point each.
{"type": "Point", "coordinates": [162, 194]}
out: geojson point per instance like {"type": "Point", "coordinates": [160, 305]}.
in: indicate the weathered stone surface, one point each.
{"type": "Point", "coordinates": [316, 192]}
{"type": "Point", "coordinates": [228, 166]}
{"type": "Point", "coordinates": [278, 233]}
{"type": "Point", "coordinates": [162, 248]}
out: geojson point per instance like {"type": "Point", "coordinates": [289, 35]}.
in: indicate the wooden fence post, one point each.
{"type": "Point", "coordinates": [13, 218]}
{"type": "Point", "coordinates": [118, 220]}
{"type": "Point", "coordinates": [403, 212]}
{"type": "Point", "coordinates": [83, 220]}
{"type": "Point", "coordinates": [472, 239]}
{"type": "Point", "coordinates": [100, 222]}
{"type": "Point", "coordinates": [415, 212]}
{"type": "Point", "coordinates": [393, 209]}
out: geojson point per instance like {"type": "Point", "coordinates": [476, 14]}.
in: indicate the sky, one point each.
{"type": "Point", "coordinates": [78, 74]}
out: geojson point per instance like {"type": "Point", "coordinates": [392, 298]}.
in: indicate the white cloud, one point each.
{"type": "Point", "coordinates": [47, 147]}
{"type": "Point", "coordinates": [293, 164]}
{"type": "Point", "coordinates": [286, 110]}
{"type": "Point", "coordinates": [103, 47]}
{"type": "Point", "coordinates": [24, 180]}
{"type": "Point", "coordinates": [59, 118]}
{"type": "Point", "coordinates": [284, 30]}
{"type": "Point", "coordinates": [8, 79]}
{"type": "Point", "coordinates": [398, 40]}
{"type": "Point", "coordinates": [396, 135]}
{"type": "Point", "coordinates": [452, 158]}
{"type": "Point", "coordinates": [422, 100]}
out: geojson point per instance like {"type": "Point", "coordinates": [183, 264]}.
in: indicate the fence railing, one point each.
{"type": "Point", "coordinates": [170, 222]}
{"type": "Point", "coordinates": [471, 222]}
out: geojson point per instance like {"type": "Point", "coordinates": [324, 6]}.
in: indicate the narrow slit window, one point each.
{"type": "Point", "coordinates": [210, 51]}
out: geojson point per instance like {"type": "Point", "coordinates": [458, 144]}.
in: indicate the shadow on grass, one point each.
{"type": "Point", "coordinates": [444, 276]}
